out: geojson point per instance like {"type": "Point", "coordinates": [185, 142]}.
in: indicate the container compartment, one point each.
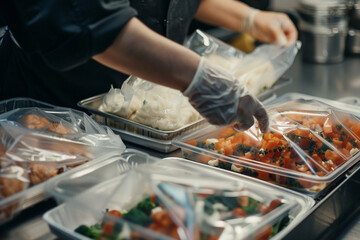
{"type": "Point", "coordinates": [260, 209]}
{"type": "Point", "coordinates": [38, 144]}
{"type": "Point", "coordinates": [309, 145]}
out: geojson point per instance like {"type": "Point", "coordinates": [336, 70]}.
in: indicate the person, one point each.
{"type": "Point", "coordinates": [63, 51]}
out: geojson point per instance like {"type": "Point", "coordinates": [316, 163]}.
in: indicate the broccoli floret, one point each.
{"type": "Point", "coordinates": [146, 206]}
{"type": "Point", "coordinates": [91, 232]}
{"type": "Point", "coordinates": [137, 216]}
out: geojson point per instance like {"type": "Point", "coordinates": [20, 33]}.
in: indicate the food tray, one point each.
{"type": "Point", "coordinates": [149, 137]}
{"type": "Point", "coordinates": [300, 171]}
{"type": "Point", "coordinates": [163, 146]}
{"type": "Point", "coordinates": [36, 193]}
{"type": "Point", "coordinates": [65, 218]}
{"type": "Point", "coordinates": [92, 104]}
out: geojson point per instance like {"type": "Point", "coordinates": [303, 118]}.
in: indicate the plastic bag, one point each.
{"type": "Point", "coordinates": [178, 201]}
{"type": "Point", "coordinates": [38, 144]}
{"type": "Point", "coordinates": [150, 104]}
{"type": "Point", "coordinates": [258, 70]}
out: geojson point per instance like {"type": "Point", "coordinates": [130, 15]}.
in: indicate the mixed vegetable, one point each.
{"type": "Point", "coordinates": [311, 143]}
{"type": "Point", "coordinates": [151, 214]}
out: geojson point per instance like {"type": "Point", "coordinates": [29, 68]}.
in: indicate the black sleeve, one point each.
{"type": "Point", "coordinates": [66, 33]}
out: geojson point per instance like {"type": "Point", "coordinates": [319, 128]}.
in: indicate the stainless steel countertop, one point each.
{"type": "Point", "coordinates": [331, 81]}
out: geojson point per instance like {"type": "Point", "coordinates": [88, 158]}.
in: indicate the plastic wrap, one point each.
{"type": "Point", "coordinates": [309, 145]}
{"type": "Point", "coordinates": [150, 104]}
{"type": "Point", "coordinates": [172, 200]}
{"type": "Point", "coordinates": [38, 144]}
{"type": "Point", "coordinates": [258, 70]}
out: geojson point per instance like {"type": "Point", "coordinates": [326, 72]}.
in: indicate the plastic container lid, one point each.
{"type": "Point", "coordinates": [191, 199]}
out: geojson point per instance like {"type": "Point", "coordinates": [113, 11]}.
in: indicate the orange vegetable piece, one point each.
{"type": "Point", "coordinates": [115, 213]}
{"type": "Point", "coordinates": [108, 228]}
{"type": "Point", "coordinates": [239, 212]}
{"type": "Point", "coordinates": [192, 142]}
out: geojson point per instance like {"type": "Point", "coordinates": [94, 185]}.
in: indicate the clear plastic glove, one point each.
{"type": "Point", "coordinates": [270, 27]}
{"type": "Point", "coordinates": [222, 100]}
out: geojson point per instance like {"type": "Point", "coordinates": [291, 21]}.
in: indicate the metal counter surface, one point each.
{"type": "Point", "coordinates": [331, 81]}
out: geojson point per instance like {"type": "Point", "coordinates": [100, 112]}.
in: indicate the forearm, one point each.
{"type": "Point", "coordinates": [139, 51]}
{"type": "Point", "coordinates": [224, 13]}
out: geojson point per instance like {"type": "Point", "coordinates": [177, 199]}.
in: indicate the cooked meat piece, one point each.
{"type": "Point", "coordinates": [33, 121]}
{"type": "Point", "coordinates": [59, 128]}
{"type": "Point", "coordinates": [9, 185]}
{"type": "Point", "coordinates": [41, 172]}
{"type": "Point", "coordinates": [71, 149]}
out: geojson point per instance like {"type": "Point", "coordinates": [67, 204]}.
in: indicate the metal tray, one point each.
{"type": "Point", "coordinates": [163, 146]}
{"type": "Point", "coordinates": [150, 137]}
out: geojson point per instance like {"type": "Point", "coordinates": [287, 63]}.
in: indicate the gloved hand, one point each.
{"type": "Point", "coordinates": [270, 27]}
{"type": "Point", "coordinates": [222, 100]}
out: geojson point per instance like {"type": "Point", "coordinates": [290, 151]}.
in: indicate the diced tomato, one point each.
{"type": "Point", "coordinates": [228, 150]}
{"type": "Point", "coordinates": [274, 204]}
{"type": "Point", "coordinates": [327, 127]}
{"type": "Point", "coordinates": [115, 213]}
{"type": "Point", "coordinates": [204, 158]}
{"type": "Point", "coordinates": [263, 209]}
{"type": "Point", "coordinates": [239, 212]}
{"type": "Point", "coordinates": [263, 175]}
{"type": "Point", "coordinates": [108, 228]}
{"type": "Point", "coordinates": [192, 142]}
{"type": "Point", "coordinates": [228, 131]}
{"type": "Point", "coordinates": [264, 234]}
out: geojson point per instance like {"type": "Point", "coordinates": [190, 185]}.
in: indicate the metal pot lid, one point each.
{"type": "Point", "coordinates": [322, 7]}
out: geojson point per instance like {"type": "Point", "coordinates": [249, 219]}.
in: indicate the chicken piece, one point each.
{"type": "Point", "coordinates": [10, 185]}
{"type": "Point", "coordinates": [59, 128]}
{"type": "Point", "coordinates": [70, 148]}
{"type": "Point", "coordinates": [41, 172]}
{"type": "Point", "coordinates": [33, 121]}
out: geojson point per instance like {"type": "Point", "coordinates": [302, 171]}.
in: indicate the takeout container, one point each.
{"type": "Point", "coordinates": [29, 157]}
{"type": "Point", "coordinates": [118, 188]}
{"type": "Point", "coordinates": [289, 158]}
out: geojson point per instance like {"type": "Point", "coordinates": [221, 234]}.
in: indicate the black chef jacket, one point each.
{"type": "Point", "coordinates": [56, 39]}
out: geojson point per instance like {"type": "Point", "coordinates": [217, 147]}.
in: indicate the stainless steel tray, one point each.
{"type": "Point", "coordinates": [160, 145]}
{"type": "Point", "coordinates": [92, 105]}
{"type": "Point", "coordinates": [150, 137]}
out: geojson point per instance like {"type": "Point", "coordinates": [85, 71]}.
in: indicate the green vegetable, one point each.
{"type": "Point", "coordinates": [146, 206]}
{"type": "Point", "coordinates": [137, 216]}
{"type": "Point", "coordinates": [90, 232]}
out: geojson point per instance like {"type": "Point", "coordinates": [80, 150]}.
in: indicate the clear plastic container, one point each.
{"type": "Point", "coordinates": [195, 200]}
{"type": "Point", "coordinates": [39, 144]}
{"type": "Point", "coordinates": [310, 144]}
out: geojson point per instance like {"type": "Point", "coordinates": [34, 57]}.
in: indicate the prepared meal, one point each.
{"type": "Point", "coordinates": [36, 145]}
{"type": "Point", "coordinates": [175, 199]}
{"type": "Point", "coordinates": [150, 104]}
{"type": "Point", "coordinates": [258, 70]}
{"type": "Point", "coordinates": [309, 144]}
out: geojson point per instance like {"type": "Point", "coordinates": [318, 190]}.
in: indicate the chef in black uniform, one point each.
{"type": "Point", "coordinates": [62, 51]}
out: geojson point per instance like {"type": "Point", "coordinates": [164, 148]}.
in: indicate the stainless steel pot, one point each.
{"type": "Point", "coordinates": [323, 29]}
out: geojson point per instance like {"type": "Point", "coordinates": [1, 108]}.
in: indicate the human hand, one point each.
{"type": "Point", "coordinates": [222, 100]}
{"type": "Point", "coordinates": [270, 27]}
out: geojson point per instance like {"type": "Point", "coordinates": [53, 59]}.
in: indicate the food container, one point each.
{"type": "Point", "coordinates": [353, 42]}
{"type": "Point", "coordinates": [150, 137]}
{"type": "Point", "coordinates": [184, 200]}
{"type": "Point", "coordinates": [323, 29]}
{"type": "Point", "coordinates": [30, 154]}
{"type": "Point", "coordinates": [310, 145]}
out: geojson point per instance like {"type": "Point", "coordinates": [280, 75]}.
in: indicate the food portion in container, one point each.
{"type": "Point", "coordinates": [150, 104]}
{"type": "Point", "coordinates": [151, 214]}
{"type": "Point", "coordinates": [258, 70]}
{"type": "Point", "coordinates": [37, 144]}
{"type": "Point", "coordinates": [308, 142]}
{"type": "Point", "coordinates": [157, 201]}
